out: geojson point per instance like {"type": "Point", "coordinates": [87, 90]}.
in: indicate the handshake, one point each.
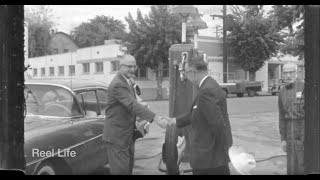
{"type": "Point", "coordinates": [142, 126]}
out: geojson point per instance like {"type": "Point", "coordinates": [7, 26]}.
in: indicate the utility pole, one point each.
{"type": "Point", "coordinates": [312, 89]}
{"type": "Point", "coordinates": [225, 56]}
{"type": "Point", "coordinates": [12, 87]}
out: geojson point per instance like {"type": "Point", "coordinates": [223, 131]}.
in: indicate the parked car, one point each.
{"type": "Point", "coordinates": [64, 126]}
{"type": "Point", "coordinates": [242, 87]}
{"type": "Point", "coordinates": [276, 87]}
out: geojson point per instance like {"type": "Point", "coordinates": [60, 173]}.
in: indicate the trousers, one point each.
{"type": "Point", "coordinates": [120, 159]}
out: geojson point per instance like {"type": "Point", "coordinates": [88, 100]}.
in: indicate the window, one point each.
{"type": "Point", "coordinates": [65, 50]}
{"type": "Point", "coordinates": [43, 71]}
{"type": "Point", "coordinates": [72, 70]}
{"type": "Point", "coordinates": [35, 72]}
{"type": "Point", "coordinates": [99, 67]}
{"type": "Point", "coordinates": [115, 66]}
{"type": "Point", "coordinates": [61, 71]}
{"type": "Point", "coordinates": [141, 72]}
{"type": "Point", "coordinates": [51, 71]}
{"type": "Point", "coordinates": [88, 101]}
{"type": "Point", "coordinates": [86, 68]}
{"type": "Point", "coordinates": [103, 99]}
{"type": "Point", "coordinates": [165, 72]}
{"type": "Point", "coordinates": [55, 51]}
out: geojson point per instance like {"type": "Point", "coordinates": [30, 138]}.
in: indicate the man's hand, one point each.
{"type": "Point", "coordinates": [145, 104]}
{"type": "Point", "coordinates": [143, 127]}
{"type": "Point", "coordinates": [170, 120]}
{"type": "Point", "coordinates": [284, 146]}
{"type": "Point", "coordinates": [163, 121]}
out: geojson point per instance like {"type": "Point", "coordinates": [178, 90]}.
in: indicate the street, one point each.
{"type": "Point", "coordinates": [254, 124]}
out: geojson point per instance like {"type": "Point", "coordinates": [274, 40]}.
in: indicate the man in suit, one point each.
{"type": "Point", "coordinates": [291, 119]}
{"type": "Point", "coordinates": [209, 121]}
{"type": "Point", "coordinates": [122, 108]}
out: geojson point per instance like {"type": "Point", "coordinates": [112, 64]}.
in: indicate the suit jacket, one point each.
{"type": "Point", "coordinates": [122, 109]}
{"type": "Point", "coordinates": [210, 124]}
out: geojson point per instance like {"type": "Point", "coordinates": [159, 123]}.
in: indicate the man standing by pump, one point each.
{"type": "Point", "coordinates": [291, 119]}
{"type": "Point", "coordinates": [209, 121]}
{"type": "Point", "coordinates": [122, 109]}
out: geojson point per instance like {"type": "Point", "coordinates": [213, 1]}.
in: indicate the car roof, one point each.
{"type": "Point", "coordinates": [73, 84]}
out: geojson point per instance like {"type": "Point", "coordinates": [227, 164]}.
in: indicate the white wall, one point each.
{"type": "Point", "coordinates": [104, 53]}
{"type": "Point", "coordinates": [262, 75]}
{"type": "Point", "coordinates": [216, 70]}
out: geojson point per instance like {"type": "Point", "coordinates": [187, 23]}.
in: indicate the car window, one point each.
{"type": "Point", "coordinates": [103, 99]}
{"type": "Point", "coordinates": [89, 103]}
{"type": "Point", "coordinates": [50, 100]}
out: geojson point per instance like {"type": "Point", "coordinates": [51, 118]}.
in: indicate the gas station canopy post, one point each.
{"type": "Point", "coordinates": [185, 11]}
{"type": "Point", "coordinates": [196, 23]}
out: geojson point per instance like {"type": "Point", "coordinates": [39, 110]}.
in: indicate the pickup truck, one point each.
{"type": "Point", "coordinates": [242, 87]}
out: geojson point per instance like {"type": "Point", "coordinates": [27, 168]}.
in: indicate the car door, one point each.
{"type": "Point", "coordinates": [93, 149]}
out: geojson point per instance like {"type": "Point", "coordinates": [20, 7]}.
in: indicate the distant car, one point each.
{"type": "Point", "coordinates": [64, 126]}
{"type": "Point", "coordinates": [276, 87]}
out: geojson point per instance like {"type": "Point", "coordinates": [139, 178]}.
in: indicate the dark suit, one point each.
{"type": "Point", "coordinates": [121, 112]}
{"type": "Point", "coordinates": [210, 124]}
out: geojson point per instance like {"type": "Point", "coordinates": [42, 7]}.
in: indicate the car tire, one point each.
{"type": "Point", "coordinates": [240, 94]}
{"type": "Point", "coordinates": [251, 92]}
{"type": "Point", "coordinates": [46, 168]}
{"type": "Point", "coordinates": [170, 150]}
{"type": "Point", "coordinates": [52, 167]}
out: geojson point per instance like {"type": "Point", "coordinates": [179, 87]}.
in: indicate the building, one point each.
{"type": "Point", "coordinates": [269, 74]}
{"type": "Point", "coordinates": [62, 43]}
{"type": "Point", "coordinates": [102, 63]}
{"type": "Point", "coordinates": [96, 62]}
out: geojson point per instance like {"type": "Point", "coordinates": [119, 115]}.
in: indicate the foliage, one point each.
{"type": "Point", "coordinates": [97, 30]}
{"type": "Point", "coordinates": [253, 38]}
{"type": "Point", "coordinates": [285, 17]}
{"type": "Point", "coordinates": [40, 23]}
{"type": "Point", "coordinates": [151, 36]}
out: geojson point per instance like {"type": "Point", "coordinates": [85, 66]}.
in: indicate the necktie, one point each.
{"type": "Point", "coordinates": [131, 86]}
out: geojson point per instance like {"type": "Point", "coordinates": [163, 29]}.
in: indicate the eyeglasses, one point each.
{"type": "Point", "coordinates": [186, 72]}
{"type": "Point", "coordinates": [288, 72]}
{"type": "Point", "coordinates": [130, 66]}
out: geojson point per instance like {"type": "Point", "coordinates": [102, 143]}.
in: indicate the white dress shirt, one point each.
{"type": "Point", "coordinates": [203, 80]}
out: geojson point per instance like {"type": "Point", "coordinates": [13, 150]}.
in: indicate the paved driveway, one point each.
{"type": "Point", "coordinates": [254, 123]}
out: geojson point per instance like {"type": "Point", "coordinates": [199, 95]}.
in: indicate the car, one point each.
{"type": "Point", "coordinates": [276, 87]}
{"type": "Point", "coordinates": [64, 126]}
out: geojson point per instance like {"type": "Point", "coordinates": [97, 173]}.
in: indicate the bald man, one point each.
{"type": "Point", "coordinates": [122, 109]}
{"type": "Point", "coordinates": [291, 119]}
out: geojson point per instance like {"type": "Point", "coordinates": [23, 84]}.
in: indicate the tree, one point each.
{"type": "Point", "coordinates": [94, 32]}
{"type": "Point", "coordinates": [285, 17]}
{"type": "Point", "coordinates": [40, 23]}
{"type": "Point", "coordinates": [253, 38]}
{"type": "Point", "coordinates": [151, 37]}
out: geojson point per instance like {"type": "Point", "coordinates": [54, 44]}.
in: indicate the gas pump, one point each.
{"type": "Point", "coordinates": [181, 96]}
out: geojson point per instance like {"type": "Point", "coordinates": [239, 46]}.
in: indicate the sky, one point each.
{"type": "Point", "coordinates": [68, 17]}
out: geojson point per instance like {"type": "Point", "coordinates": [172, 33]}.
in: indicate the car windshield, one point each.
{"type": "Point", "coordinates": [50, 100]}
